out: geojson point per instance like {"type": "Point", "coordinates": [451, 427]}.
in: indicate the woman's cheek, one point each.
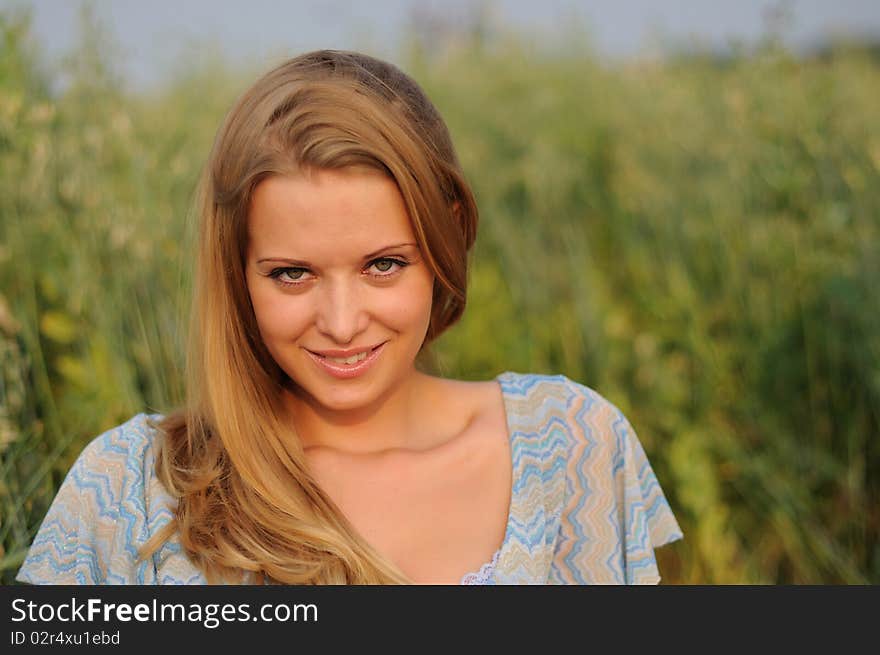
{"type": "Point", "coordinates": [410, 307]}
{"type": "Point", "coordinates": [279, 316]}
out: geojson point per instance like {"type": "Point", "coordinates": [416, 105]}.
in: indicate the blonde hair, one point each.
{"type": "Point", "coordinates": [246, 500]}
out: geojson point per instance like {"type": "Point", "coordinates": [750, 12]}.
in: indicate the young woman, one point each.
{"type": "Point", "coordinates": [334, 239]}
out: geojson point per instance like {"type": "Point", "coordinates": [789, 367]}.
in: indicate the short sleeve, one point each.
{"type": "Point", "coordinates": [97, 520]}
{"type": "Point", "coordinates": [615, 511]}
{"type": "Point", "coordinates": [648, 521]}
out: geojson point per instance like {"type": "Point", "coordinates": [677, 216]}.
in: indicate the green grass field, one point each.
{"type": "Point", "coordinates": [697, 239]}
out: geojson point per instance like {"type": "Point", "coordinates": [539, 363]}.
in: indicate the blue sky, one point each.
{"type": "Point", "coordinates": [155, 35]}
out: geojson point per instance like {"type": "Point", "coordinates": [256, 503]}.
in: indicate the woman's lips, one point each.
{"type": "Point", "coordinates": [347, 371]}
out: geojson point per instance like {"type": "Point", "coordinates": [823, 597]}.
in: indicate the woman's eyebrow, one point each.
{"type": "Point", "coordinates": [372, 255]}
{"type": "Point", "coordinates": [387, 248]}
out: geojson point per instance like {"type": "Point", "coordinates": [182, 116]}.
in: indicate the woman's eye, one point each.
{"type": "Point", "coordinates": [288, 275]}
{"type": "Point", "coordinates": [387, 266]}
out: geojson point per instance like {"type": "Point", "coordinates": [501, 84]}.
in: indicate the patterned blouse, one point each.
{"type": "Point", "coordinates": [585, 507]}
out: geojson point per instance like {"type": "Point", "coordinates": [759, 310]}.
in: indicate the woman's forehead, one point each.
{"type": "Point", "coordinates": [327, 212]}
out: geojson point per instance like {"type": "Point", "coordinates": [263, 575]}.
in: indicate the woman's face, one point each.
{"type": "Point", "coordinates": [341, 294]}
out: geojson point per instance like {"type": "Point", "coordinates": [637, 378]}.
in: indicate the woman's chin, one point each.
{"type": "Point", "coordinates": [337, 398]}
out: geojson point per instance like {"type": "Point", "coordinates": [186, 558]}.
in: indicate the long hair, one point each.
{"type": "Point", "coordinates": [246, 502]}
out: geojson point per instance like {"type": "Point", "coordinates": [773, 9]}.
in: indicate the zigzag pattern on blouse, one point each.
{"type": "Point", "coordinates": [585, 505]}
{"type": "Point", "coordinates": [590, 510]}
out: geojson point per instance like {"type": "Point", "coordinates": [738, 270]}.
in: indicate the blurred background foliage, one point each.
{"type": "Point", "coordinates": [694, 236]}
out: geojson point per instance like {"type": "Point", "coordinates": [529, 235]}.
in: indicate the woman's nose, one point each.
{"type": "Point", "coordinates": [340, 313]}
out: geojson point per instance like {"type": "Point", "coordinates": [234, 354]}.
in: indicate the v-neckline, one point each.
{"type": "Point", "coordinates": [496, 557]}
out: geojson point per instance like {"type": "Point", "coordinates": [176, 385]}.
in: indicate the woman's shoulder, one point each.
{"type": "Point", "coordinates": [103, 511]}
{"type": "Point", "coordinates": [540, 397]}
{"type": "Point", "coordinates": [119, 459]}
{"type": "Point", "coordinates": [556, 418]}
{"type": "Point", "coordinates": [544, 384]}
{"type": "Point", "coordinates": [132, 441]}
{"type": "Point", "coordinates": [117, 462]}
{"type": "Point", "coordinates": [531, 403]}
